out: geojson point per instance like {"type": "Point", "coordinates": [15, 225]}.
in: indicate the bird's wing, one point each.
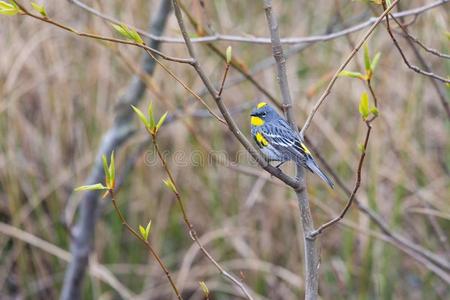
{"type": "Point", "coordinates": [284, 139]}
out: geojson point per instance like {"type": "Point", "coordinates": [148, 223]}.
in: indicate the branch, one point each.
{"type": "Point", "coordinates": [409, 36]}
{"type": "Point", "coordinates": [405, 60]}
{"type": "Point", "coordinates": [261, 40]}
{"type": "Point", "coordinates": [343, 65]}
{"type": "Point", "coordinates": [278, 55]}
{"type": "Point", "coordinates": [101, 38]}
{"type": "Point", "coordinates": [311, 248]}
{"type": "Point", "coordinates": [358, 176]}
{"type": "Point", "coordinates": [438, 87]}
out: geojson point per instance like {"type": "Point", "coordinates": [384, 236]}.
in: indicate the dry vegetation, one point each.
{"type": "Point", "coordinates": [57, 98]}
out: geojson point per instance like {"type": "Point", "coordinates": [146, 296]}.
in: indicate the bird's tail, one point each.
{"type": "Point", "coordinates": [313, 167]}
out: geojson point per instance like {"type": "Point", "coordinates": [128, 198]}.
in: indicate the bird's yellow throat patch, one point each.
{"type": "Point", "coordinates": [261, 139]}
{"type": "Point", "coordinates": [256, 121]}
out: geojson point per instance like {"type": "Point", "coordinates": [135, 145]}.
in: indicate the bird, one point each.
{"type": "Point", "coordinates": [279, 142]}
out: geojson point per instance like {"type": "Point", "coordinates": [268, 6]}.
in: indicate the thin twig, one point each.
{"type": "Point", "coordinates": [102, 38]}
{"type": "Point", "coordinates": [187, 88]}
{"type": "Point", "coordinates": [408, 35]}
{"type": "Point", "coordinates": [355, 188]}
{"type": "Point", "coordinates": [368, 123]}
{"type": "Point", "coordinates": [405, 60]}
{"type": "Point", "coordinates": [343, 65]}
{"type": "Point", "coordinates": [145, 242]}
{"type": "Point", "coordinates": [224, 77]}
{"type": "Point", "coordinates": [440, 90]}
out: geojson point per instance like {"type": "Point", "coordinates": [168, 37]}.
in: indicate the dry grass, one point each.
{"type": "Point", "coordinates": [57, 94]}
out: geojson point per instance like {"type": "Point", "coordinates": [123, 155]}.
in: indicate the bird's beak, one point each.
{"type": "Point", "coordinates": [253, 114]}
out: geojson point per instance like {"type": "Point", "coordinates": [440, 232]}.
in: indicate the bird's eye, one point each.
{"type": "Point", "coordinates": [263, 114]}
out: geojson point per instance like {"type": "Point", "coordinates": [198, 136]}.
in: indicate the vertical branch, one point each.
{"type": "Point", "coordinates": [311, 249]}
{"type": "Point", "coordinates": [83, 232]}
{"type": "Point", "coordinates": [280, 59]}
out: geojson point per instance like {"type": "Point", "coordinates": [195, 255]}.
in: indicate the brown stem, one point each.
{"type": "Point", "coordinates": [187, 88]}
{"type": "Point", "coordinates": [227, 67]}
{"type": "Point", "coordinates": [355, 188]}
{"type": "Point", "coordinates": [358, 172]}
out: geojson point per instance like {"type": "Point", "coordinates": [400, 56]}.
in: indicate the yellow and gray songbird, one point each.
{"type": "Point", "coordinates": [278, 142]}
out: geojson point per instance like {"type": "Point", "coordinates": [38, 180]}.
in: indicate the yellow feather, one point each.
{"type": "Point", "coordinates": [261, 139]}
{"type": "Point", "coordinates": [305, 149]}
{"type": "Point", "coordinates": [261, 104]}
{"type": "Point", "coordinates": [256, 121]}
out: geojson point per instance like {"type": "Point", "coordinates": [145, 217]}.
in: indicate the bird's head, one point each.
{"type": "Point", "coordinates": [262, 113]}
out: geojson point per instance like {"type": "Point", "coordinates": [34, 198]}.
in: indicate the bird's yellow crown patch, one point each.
{"type": "Point", "coordinates": [256, 121]}
{"type": "Point", "coordinates": [261, 104]}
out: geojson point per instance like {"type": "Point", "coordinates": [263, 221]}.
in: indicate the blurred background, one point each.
{"type": "Point", "coordinates": [58, 98]}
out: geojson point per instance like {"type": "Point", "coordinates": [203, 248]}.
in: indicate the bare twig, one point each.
{"type": "Point", "coordinates": [310, 245]}
{"type": "Point", "coordinates": [408, 35]}
{"type": "Point", "coordinates": [224, 77]}
{"type": "Point", "coordinates": [145, 242]}
{"type": "Point", "coordinates": [330, 223]}
{"type": "Point", "coordinates": [343, 65]}
{"type": "Point", "coordinates": [440, 90]}
{"type": "Point", "coordinates": [196, 96]}
{"type": "Point", "coordinates": [368, 123]}
{"type": "Point", "coordinates": [262, 40]}
{"type": "Point", "coordinates": [405, 60]}
{"type": "Point", "coordinates": [102, 38]}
